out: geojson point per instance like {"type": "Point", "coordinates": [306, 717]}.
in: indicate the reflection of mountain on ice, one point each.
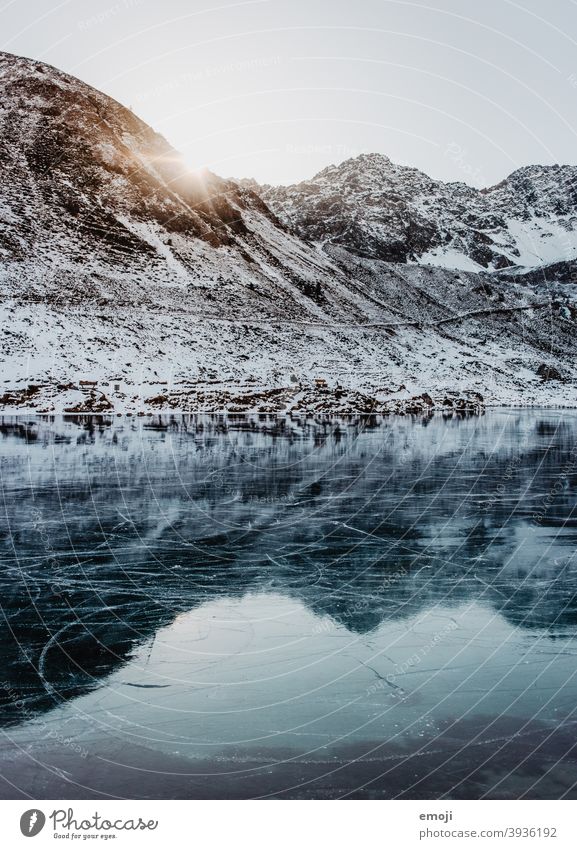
{"type": "Point", "coordinates": [119, 528]}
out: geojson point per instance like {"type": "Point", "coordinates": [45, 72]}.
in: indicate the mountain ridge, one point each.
{"type": "Point", "coordinates": [397, 213]}
{"type": "Point", "coordinates": [126, 283]}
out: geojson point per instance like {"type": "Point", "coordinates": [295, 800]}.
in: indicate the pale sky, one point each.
{"type": "Point", "coordinates": [278, 89]}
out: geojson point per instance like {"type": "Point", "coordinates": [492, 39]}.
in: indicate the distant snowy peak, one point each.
{"type": "Point", "coordinates": [381, 210]}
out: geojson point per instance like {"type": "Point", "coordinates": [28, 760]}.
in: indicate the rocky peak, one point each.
{"type": "Point", "coordinates": [378, 209]}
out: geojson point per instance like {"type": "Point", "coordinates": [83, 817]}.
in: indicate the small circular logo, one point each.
{"type": "Point", "coordinates": [32, 822]}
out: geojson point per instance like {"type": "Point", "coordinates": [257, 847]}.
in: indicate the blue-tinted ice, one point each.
{"type": "Point", "coordinates": [219, 607]}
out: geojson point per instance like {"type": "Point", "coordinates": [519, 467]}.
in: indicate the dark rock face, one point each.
{"type": "Point", "coordinates": [555, 272]}
{"type": "Point", "coordinates": [546, 372]}
{"type": "Point", "coordinates": [76, 161]}
{"type": "Point", "coordinates": [96, 206]}
{"type": "Point", "coordinates": [377, 209]}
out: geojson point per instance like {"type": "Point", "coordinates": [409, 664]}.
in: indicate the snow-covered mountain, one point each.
{"type": "Point", "coordinates": [128, 283]}
{"type": "Point", "coordinates": [377, 209]}
{"type": "Point", "coordinates": [95, 206]}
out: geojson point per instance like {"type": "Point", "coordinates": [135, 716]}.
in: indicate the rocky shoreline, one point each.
{"type": "Point", "coordinates": [106, 398]}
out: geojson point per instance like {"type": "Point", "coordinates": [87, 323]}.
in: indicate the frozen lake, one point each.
{"type": "Point", "coordinates": [211, 607]}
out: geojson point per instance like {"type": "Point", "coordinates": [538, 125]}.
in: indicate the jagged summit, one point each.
{"type": "Point", "coordinates": [376, 208]}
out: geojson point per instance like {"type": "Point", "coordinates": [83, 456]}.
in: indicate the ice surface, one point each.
{"type": "Point", "coordinates": [277, 607]}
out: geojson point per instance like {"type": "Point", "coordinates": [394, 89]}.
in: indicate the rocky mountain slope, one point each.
{"type": "Point", "coordinates": [377, 209]}
{"type": "Point", "coordinates": [97, 207]}
{"type": "Point", "coordinates": [127, 283]}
